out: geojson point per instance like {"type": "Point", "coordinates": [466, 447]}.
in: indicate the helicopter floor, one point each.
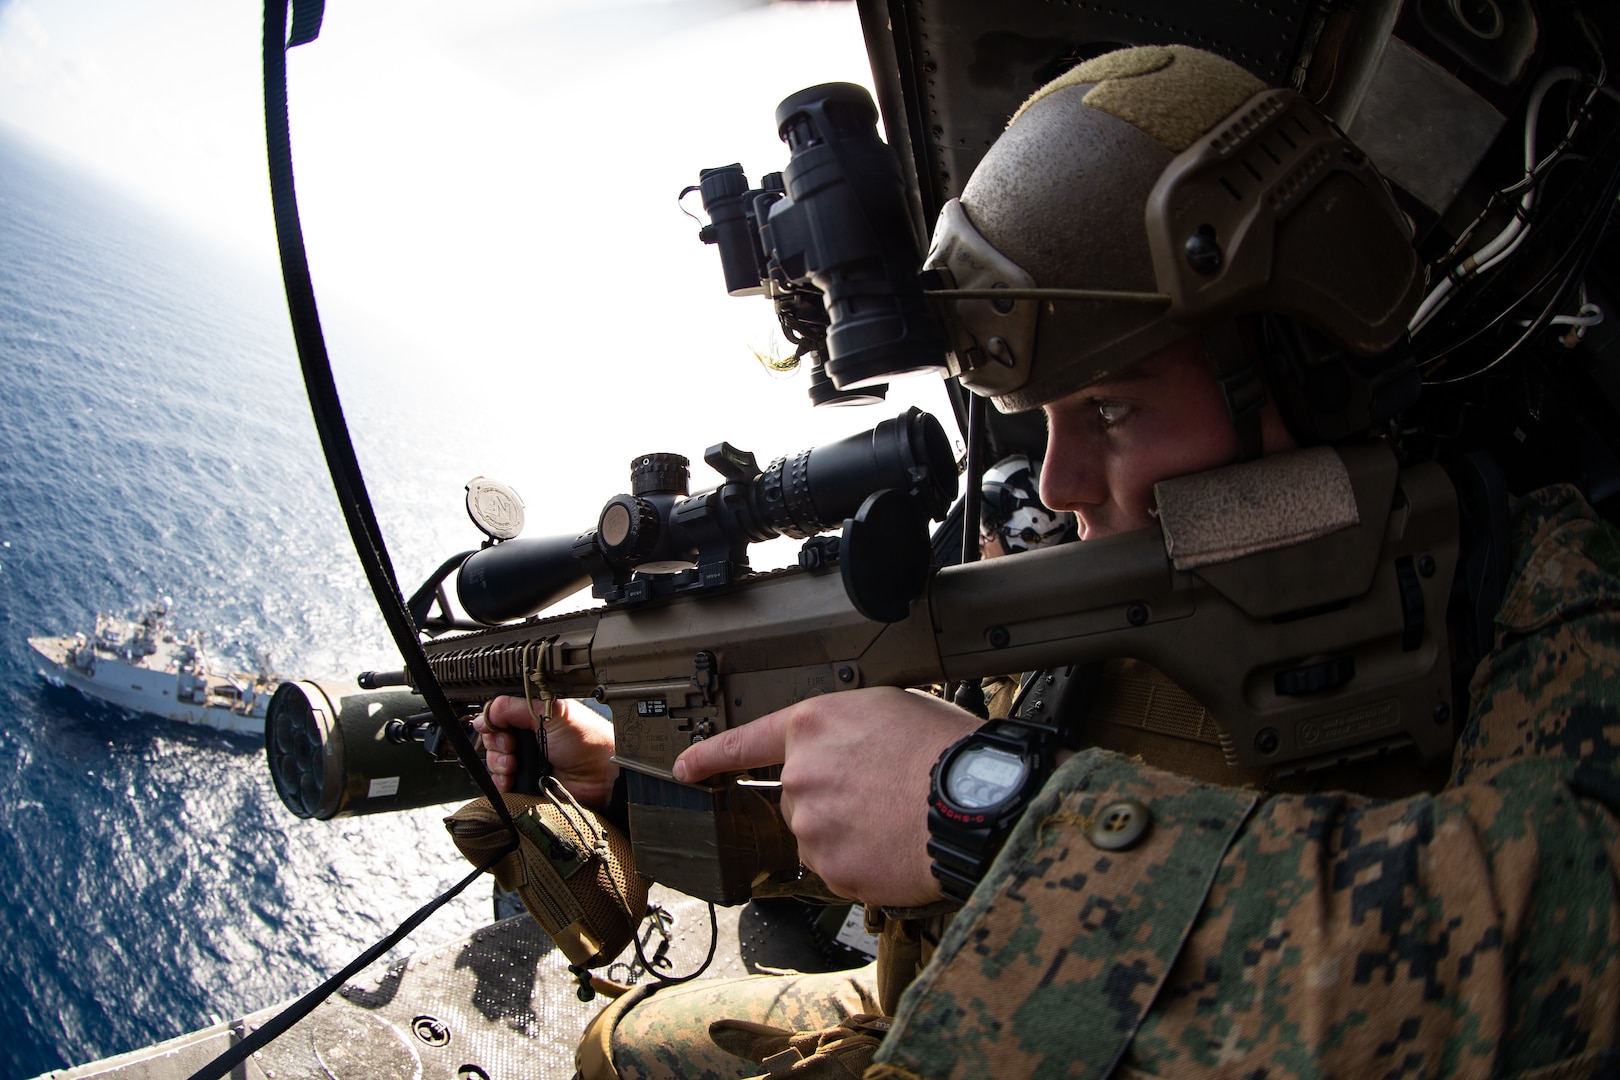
{"type": "Point", "coordinates": [497, 1004]}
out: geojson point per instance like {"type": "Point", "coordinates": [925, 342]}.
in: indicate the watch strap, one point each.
{"type": "Point", "coordinates": [962, 845]}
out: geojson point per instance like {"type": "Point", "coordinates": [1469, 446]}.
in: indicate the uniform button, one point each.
{"type": "Point", "coordinates": [1120, 825]}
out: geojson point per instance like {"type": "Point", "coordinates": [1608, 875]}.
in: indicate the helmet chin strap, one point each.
{"type": "Point", "coordinates": [1243, 385]}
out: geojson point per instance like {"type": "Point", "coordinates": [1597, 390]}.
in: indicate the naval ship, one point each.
{"type": "Point", "coordinates": [143, 665]}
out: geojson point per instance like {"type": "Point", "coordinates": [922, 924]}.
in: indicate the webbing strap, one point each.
{"type": "Point", "coordinates": [974, 495]}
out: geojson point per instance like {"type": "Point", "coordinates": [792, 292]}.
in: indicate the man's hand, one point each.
{"type": "Point", "coordinates": [854, 784]}
{"type": "Point", "coordinates": [579, 743]}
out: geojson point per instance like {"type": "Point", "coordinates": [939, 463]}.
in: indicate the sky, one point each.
{"type": "Point", "coordinates": [489, 191]}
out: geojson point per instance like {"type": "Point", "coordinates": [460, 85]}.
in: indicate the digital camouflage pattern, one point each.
{"type": "Point", "coordinates": [1473, 932]}
{"type": "Point", "coordinates": [672, 1034]}
{"type": "Point", "coordinates": [667, 1035]}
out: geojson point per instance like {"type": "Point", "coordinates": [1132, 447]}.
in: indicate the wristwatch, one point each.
{"type": "Point", "coordinates": [978, 789]}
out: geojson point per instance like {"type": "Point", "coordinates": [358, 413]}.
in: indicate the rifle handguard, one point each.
{"type": "Point", "coordinates": [574, 871]}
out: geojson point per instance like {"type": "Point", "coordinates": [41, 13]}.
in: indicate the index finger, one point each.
{"type": "Point", "coordinates": [750, 746]}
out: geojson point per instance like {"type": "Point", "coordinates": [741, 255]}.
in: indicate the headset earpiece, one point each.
{"type": "Point", "coordinates": [1325, 393]}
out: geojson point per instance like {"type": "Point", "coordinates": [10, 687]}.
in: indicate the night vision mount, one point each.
{"type": "Point", "coordinates": [830, 242]}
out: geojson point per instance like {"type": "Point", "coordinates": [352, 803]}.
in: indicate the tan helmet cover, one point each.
{"type": "Point", "coordinates": [1111, 176]}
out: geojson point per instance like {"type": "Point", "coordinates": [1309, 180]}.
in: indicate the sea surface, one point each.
{"type": "Point", "coordinates": [155, 441]}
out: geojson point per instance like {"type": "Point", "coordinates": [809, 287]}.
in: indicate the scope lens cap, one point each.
{"type": "Point", "coordinates": [495, 508]}
{"type": "Point", "coordinates": [885, 556]}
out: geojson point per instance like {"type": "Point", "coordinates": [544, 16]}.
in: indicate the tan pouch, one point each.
{"type": "Point", "coordinates": [573, 870]}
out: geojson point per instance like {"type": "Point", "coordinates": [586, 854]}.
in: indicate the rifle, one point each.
{"type": "Point", "coordinates": [1307, 652]}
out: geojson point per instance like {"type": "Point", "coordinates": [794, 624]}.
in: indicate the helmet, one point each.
{"type": "Point", "coordinates": [1011, 509]}
{"type": "Point", "coordinates": [1155, 192]}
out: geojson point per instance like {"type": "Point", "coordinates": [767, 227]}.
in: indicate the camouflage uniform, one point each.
{"type": "Point", "coordinates": [1473, 932]}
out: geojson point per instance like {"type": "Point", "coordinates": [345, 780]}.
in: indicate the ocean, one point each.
{"type": "Point", "coordinates": [156, 442]}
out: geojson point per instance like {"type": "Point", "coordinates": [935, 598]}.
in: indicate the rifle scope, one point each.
{"type": "Point", "coordinates": [658, 539]}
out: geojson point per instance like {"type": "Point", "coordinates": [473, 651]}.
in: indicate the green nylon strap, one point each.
{"type": "Point", "coordinates": [1058, 955]}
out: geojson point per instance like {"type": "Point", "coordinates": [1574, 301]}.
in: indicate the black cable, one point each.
{"type": "Point", "coordinates": [1578, 260]}
{"type": "Point", "coordinates": [1577, 265]}
{"type": "Point", "coordinates": [1535, 178]}
{"type": "Point", "coordinates": [1577, 271]}
{"type": "Point", "coordinates": [1572, 264]}
{"type": "Point", "coordinates": [673, 980]}
{"type": "Point", "coordinates": [421, 601]}
{"type": "Point", "coordinates": [350, 485]}
{"type": "Point", "coordinates": [323, 395]}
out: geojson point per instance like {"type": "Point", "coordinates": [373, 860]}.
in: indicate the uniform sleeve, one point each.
{"type": "Point", "coordinates": [1472, 932]}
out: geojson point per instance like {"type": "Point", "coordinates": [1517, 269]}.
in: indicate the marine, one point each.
{"type": "Point", "coordinates": [1155, 911]}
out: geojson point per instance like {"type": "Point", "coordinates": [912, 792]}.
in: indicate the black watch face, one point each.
{"type": "Point", "coordinates": [982, 776]}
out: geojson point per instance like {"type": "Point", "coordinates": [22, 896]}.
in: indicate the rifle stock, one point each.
{"type": "Point", "coordinates": [1307, 655]}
